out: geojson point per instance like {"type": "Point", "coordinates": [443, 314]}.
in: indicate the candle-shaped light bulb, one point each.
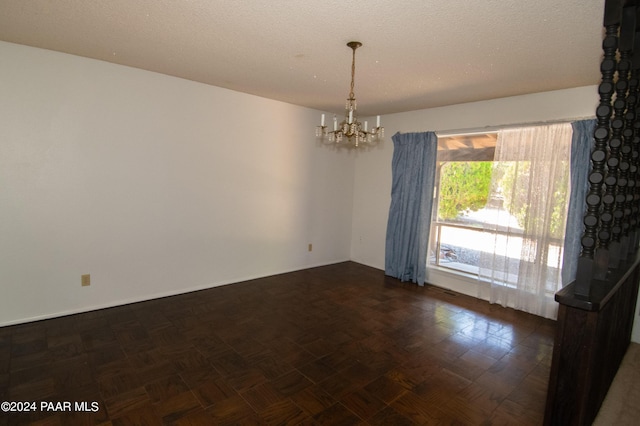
{"type": "Point", "coordinates": [366, 125]}
{"type": "Point", "coordinates": [335, 123]}
{"type": "Point", "coordinates": [322, 120]}
{"type": "Point", "coordinates": [378, 121]}
{"type": "Point", "coordinates": [350, 116]}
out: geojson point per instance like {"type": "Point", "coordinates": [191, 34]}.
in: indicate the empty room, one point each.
{"type": "Point", "coordinates": [295, 212]}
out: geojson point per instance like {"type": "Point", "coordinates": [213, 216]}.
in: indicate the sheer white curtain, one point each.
{"type": "Point", "coordinates": [521, 262]}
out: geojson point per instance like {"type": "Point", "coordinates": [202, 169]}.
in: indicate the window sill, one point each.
{"type": "Point", "coordinates": [449, 279]}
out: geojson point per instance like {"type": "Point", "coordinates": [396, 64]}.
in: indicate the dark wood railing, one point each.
{"type": "Point", "coordinates": [595, 317]}
{"type": "Point", "coordinates": [592, 337]}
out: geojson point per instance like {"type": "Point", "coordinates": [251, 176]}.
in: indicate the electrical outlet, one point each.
{"type": "Point", "coordinates": [86, 280]}
{"type": "Point", "coordinates": [310, 247]}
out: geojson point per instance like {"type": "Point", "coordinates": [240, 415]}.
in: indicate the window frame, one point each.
{"type": "Point", "coordinates": [444, 155]}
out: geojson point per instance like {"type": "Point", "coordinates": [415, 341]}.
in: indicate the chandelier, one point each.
{"type": "Point", "coordinates": [350, 132]}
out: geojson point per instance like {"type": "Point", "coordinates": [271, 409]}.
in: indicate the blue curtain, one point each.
{"type": "Point", "coordinates": [413, 177]}
{"type": "Point", "coordinates": [581, 145]}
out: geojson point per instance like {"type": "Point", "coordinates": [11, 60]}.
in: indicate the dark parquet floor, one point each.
{"type": "Point", "coordinates": [335, 345]}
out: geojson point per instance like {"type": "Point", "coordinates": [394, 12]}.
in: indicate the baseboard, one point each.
{"type": "Point", "coordinates": [161, 295]}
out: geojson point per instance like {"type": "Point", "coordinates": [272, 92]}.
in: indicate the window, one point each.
{"type": "Point", "coordinates": [461, 196]}
{"type": "Point", "coordinates": [477, 208]}
{"type": "Point", "coordinates": [499, 213]}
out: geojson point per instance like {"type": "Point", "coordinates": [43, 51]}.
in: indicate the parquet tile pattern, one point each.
{"type": "Point", "coordinates": [334, 345]}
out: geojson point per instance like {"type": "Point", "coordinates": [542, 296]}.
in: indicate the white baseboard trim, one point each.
{"type": "Point", "coordinates": [161, 295]}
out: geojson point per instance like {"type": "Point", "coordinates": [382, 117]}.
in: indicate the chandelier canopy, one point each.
{"type": "Point", "coordinates": [350, 132]}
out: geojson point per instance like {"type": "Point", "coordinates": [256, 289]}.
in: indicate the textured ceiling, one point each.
{"type": "Point", "coordinates": [416, 53]}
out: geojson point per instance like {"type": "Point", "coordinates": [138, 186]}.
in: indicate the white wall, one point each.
{"type": "Point", "coordinates": [152, 184]}
{"type": "Point", "coordinates": [635, 332]}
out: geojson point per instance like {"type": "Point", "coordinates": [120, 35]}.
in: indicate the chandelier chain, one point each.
{"type": "Point", "coordinates": [353, 74]}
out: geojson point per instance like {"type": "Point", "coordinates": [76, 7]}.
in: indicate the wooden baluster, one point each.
{"type": "Point", "coordinates": [588, 264]}
{"type": "Point", "coordinates": [620, 142]}
{"type": "Point", "coordinates": [612, 147]}
{"type": "Point", "coordinates": [634, 185]}
{"type": "Point", "coordinates": [631, 140]}
{"type": "Point", "coordinates": [633, 195]}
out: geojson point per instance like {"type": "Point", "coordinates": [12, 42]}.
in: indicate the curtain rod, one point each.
{"type": "Point", "coordinates": [495, 129]}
